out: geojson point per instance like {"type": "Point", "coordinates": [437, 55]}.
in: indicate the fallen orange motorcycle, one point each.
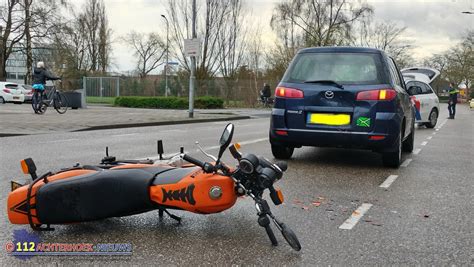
{"type": "Point", "coordinates": [118, 188]}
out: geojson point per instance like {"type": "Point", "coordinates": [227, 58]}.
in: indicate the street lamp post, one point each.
{"type": "Point", "coordinates": [192, 78]}
{"type": "Point", "coordinates": [167, 52]}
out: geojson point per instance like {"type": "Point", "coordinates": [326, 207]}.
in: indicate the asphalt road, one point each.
{"type": "Point", "coordinates": [423, 217]}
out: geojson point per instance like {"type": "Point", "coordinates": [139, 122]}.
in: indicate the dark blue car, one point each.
{"type": "Point", "coordinates": [346, 97]}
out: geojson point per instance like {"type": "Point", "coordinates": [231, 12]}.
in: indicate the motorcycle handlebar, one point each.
{"type": "Point", "coordinates": [281, 164]}
{"type": "Point", "coordinates": [207, 167]}
{"type": "Point", "coordinates": [194, 161]}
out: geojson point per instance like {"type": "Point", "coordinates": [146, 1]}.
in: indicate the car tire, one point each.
{"type": "Point", "coordinates": [433, 119]}
{"type": "Point", "coordinates": [393, 158]}
{"type": "Point", "coordinates": [2, 100]}
{"type": "Point", "coordinates": [282, 152]}
{"type": "Point", "coordinates": [409, 143]}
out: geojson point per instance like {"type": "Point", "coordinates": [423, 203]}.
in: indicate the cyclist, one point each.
{"type": "Point", "coordinates": [265, 93]}
{"type": "Point", "coordinates": [40, 76]}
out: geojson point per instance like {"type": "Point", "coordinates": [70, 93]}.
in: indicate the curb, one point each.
{"type": "Point", "coordinates": [160, 123]}
{"type": "Point", "coordinates": [10, 135]}
{"type": "Point", "coordinates": [146, 124]}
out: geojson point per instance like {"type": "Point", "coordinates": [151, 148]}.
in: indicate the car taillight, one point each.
{"type": "Point", "coordinates": [7, 91]}
{"type": "Point", "coordinates": [284, 92]}
{"type": "Point", "coordinates": [281, 133]}
{"type": "Point", "coordinates": [381, 94]}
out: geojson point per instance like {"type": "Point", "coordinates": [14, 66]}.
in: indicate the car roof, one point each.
{"type": "Point", "coordinates": [340, 49]}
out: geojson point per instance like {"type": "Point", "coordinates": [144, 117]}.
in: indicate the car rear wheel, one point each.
{"type": "Point", "coordinates": [393, 158]}
{"type": "Point", "coordinates": [433, 119]}
{"type": "Point", "coordinates": [282, 152]}
{"type": "Point", "coordinates": [2, 100]}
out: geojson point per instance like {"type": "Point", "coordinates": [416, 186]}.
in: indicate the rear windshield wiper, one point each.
{"type": "Point", "coordinates": [326, 81]}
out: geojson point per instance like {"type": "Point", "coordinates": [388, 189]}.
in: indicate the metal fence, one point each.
{"type": "Point", "coordinates": [101, 86]}
{"type": "Point", "coordinates": [241, 91]}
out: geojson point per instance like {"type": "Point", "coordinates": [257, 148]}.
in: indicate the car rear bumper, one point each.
{"type": "Point", "coordinates": [14, 98]}
{"type": "Point", "coordinates": [385, 132]}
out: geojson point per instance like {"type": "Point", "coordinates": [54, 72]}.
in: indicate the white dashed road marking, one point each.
{"type": "Point", "coordinates": [424, 143]}
{"type": "Point", "coordinates": [429, 137]}
{"type": "Point", "coordinates": [120, 135]}
{"type": "Point", "coordinates": [406, 163]}
{"type": "Point", "coordinates": [59, 141]}
{"type": "Point", "coordinates": [355, 217]}
{"type": "Point", "coordinates": [389, 181]}
{"type": "Point", "coordinates": [417, 151]}
{"type": "Point", "coordinates": [253, 141]}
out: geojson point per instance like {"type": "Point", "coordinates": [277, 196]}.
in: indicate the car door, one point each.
{"type": "Point", "coordinates": [426, 100]}
{"type": "Point", "coordinates": [405, 101]}
{"type": "Point", "coordinates": [433, 100]}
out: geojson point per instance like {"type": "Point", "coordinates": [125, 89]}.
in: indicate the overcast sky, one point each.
{"type": "Point", "coordinates": [433, 25]}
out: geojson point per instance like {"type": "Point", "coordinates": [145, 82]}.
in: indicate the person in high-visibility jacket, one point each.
{"type": "Point", "coordinates": [453, 100]}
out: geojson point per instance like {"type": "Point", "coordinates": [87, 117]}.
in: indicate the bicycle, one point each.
{"type": "Point", "coordinates": [265, 101]}
{"type": "Point", "coordinates": [41, 101]}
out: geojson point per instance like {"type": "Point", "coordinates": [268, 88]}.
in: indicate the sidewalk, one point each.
{"type": "Point", "coordinates": [20, 119]}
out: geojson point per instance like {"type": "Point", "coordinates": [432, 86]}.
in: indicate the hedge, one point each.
{"type": "Point", "coordinates": [205, 102]}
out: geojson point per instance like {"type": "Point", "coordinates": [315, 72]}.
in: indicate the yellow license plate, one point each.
{"type": "Point", "coordinates": [329, 119]}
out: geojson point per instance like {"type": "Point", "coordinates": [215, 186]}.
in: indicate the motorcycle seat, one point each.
{"type": "Point", "coordinates": [99, 195]}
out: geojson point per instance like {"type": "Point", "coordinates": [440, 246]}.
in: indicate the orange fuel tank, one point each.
{"type": "Point", "coordinates": [197, 192]}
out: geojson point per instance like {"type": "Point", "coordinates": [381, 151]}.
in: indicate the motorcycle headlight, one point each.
{"type": "Point", "coordinates": [248, 163]}
{"type": "Point", "coordinates": [246, 166]}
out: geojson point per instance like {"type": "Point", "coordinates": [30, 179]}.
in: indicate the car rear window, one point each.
{"type": "Point", "coordinates": [11, 86]}
{"type": "Point", "coordinates": [344, 68]}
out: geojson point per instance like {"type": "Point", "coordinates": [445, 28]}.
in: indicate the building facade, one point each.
{"type": "Point", "coordinates": [16, 62]}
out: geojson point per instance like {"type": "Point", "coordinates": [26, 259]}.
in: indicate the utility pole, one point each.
{"type": "Point", "coordinates": [192, 79]}
{"type": "Point", "coordinates": [167, 52]}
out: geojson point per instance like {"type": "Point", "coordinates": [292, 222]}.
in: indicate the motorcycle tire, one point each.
{"type": "Point", "coordinates": [290, 237]}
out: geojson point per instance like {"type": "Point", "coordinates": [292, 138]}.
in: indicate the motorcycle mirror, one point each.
{"type": "Point", "coordinates": [225, 140]}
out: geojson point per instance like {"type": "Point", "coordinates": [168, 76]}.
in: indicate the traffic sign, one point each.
{"type": "Point", "coordinates": [192, 47]}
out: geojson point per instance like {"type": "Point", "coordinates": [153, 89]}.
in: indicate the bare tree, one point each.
{"type": "Point", "coordinates": [255, 54]}
{"type": "Point", "coordinates": [70, 45]}
{"type": "Point", "coordinates": [460, 59]}
{"type": "Point", "coordinates": [318, 22]}
{"type": "Point", "coordinates": [387, 36]}
{"type": "Point", "coordinates": [41, 18]}
{"type": "Point", "coordinates": [456, 64]}
{"type": "Point", "coordinates": [98, 34]}
{"type": "Point", "coordinates": [11, 32]}
{"type": "Point", "coordinates": [231, 44]}
{"type": "Point", "coordinates": [303, 23]}
{"type": "Point", "coordinates": [84, 43]}
{"type": "Point", "coordinates": [27, 30]}
{"type": "Point", "coordinates": [105, 45]}
{"type": "Point", "coordinates": [210, 22]}
{"type": "Point", "coordinates": [149, 48]}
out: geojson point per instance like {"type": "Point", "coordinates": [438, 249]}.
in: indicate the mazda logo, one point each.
{"type": "Point", "coordinates": [329, 94]}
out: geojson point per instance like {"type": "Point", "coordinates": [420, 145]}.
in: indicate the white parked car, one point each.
{"type": "Point", "coordinates": [418, 81]}
{"type": "Point", "coordinates": [10, 92]}
{"type": "Point", "coordinates": [27, 90]}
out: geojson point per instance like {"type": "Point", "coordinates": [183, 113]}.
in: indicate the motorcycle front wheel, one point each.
{"type": "Point", "coordinates": [290, 237]}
